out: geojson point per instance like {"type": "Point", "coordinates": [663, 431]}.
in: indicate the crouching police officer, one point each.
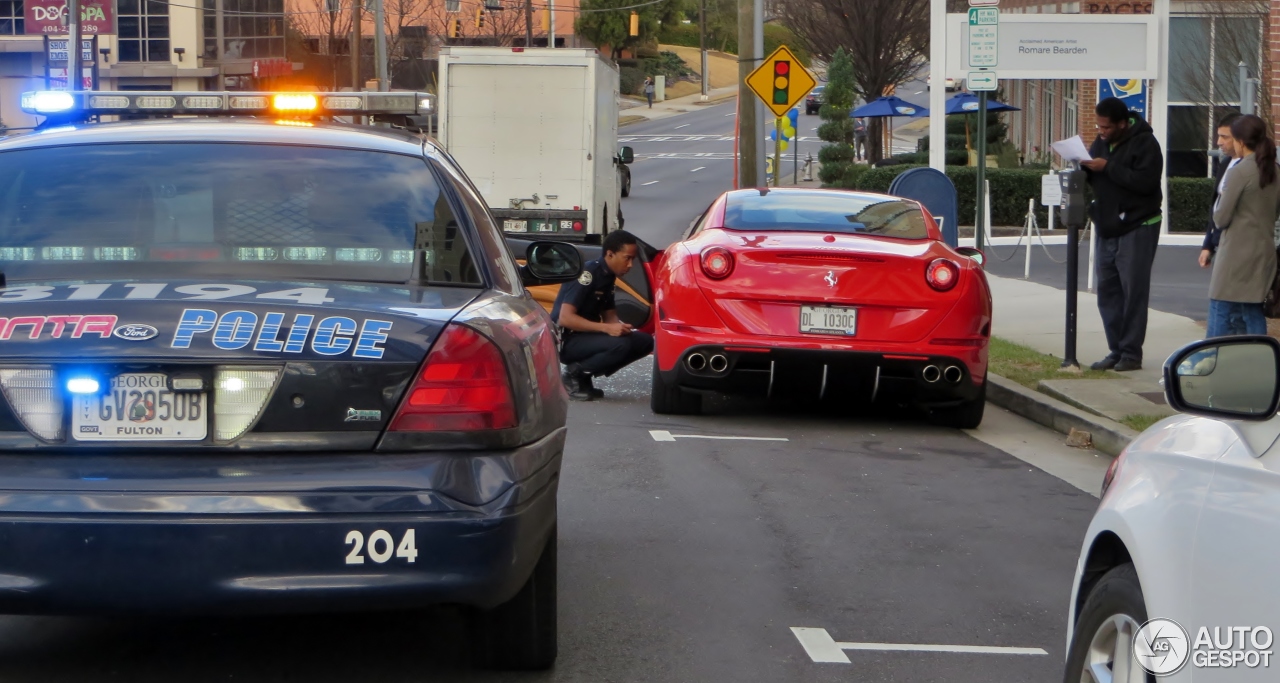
{"type": "Point", "coordinates": [595, 343]}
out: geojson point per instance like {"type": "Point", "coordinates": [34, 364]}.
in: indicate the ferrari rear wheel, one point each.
{"type": "Point", "coordinates": [669, 399]}
{"type": "Point", "coordinates": [967, 415]}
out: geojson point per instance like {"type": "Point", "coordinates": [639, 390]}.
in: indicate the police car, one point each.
{"type": "Point", "coordinates": [259, 361]}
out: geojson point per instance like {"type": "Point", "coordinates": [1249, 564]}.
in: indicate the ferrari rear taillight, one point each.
{"type": "Point", "coordinates": [717, 262]}
{"type": "Point", "coordinates": [463, 386]}
{"type": "Point", "coordinates": [942, 274]}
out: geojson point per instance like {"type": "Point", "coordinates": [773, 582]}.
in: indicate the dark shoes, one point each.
{"type": "Point", "coordinates": [1128, 365]}
{"type": "Point", "coordinates": [1117, 364]}
{"type": "Point", "coordinates": [578, 384]}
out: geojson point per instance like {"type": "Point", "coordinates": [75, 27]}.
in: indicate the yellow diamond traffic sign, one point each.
{"type": "Point", "coordinates": [781, 82]}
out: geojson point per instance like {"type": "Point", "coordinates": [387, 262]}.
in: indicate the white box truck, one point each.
{"type": "Point", "coordinates": [537, 131]}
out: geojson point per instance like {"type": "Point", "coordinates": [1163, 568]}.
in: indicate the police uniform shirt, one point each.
{"type": "Point", "coordinates": [591, 294]}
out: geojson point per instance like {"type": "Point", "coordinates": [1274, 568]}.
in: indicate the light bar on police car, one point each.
{"type": "Point", "coordinates": [204, 103]}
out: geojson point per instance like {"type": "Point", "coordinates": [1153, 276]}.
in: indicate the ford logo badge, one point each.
{"type": "Point", "coordinates": [136, 332]}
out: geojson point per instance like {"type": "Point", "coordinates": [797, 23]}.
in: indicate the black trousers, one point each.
{"type": "Point", "coordinates": [600, 355]}
{"type": "Point", "coordinates": [1124, 288]}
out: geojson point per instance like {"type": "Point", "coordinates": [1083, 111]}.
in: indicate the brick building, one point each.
{"type": "Point", "coordinates": [1207, 40]}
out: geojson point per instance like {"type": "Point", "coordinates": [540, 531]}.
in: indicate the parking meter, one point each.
{"type": "Point", "coordinates": [1073, 219]}
{"type": "Point", "coordinates": [1072, 206]}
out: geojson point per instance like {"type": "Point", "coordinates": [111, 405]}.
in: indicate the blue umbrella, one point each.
{"type": "Point", "coordinates": [967, 103]}
{"type": "Point", "coordinates": [883, 107]}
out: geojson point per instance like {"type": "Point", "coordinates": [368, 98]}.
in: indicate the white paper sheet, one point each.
{"type": "Point", "coordinates": [1072, 149]}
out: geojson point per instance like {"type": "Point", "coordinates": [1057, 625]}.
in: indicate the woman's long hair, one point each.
{"type": "Point", "coordinates": [1252, 131]}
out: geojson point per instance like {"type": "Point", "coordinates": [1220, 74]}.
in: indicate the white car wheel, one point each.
{"type": "Point", "coordinates": [1102, 643]}
{"type": "Point", "coordinates": [1113, 643]}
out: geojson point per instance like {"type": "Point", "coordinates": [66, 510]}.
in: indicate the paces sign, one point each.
{"type": "Point", "coordinates": [48, 17]}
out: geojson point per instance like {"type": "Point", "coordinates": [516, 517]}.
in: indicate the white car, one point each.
{"type": "Point", "coordinates": [1179, 574]}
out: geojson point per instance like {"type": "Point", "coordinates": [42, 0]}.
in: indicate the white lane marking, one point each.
{"type": "Point", "coordinates": [651, 182]}
{"type": "Point", "coordinates": [822, 648]}
{"type": "Point", "coordinates": [695, 170]}
{"type": "Point", "coordinates": [683, 126]}
{"type": "Point", "coordinates": [664, 435]}
{"type": "Point", "coordinates": [732, 113]}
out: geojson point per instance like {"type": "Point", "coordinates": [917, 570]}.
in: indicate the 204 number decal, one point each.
{"type": "Point", "coordinates": [380, 545]}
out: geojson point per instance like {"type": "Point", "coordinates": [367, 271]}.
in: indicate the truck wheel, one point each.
{"type": "Point", "coordinates": [967, 415]}
{"type": "Point", "coordinates": [669, 399]}
{"type": "Point", "coordinates": [520, 634]}
{"type": "Point", "coordinates": [1105, 628]}
{"type": "Point", "coordinates": [626, 185]}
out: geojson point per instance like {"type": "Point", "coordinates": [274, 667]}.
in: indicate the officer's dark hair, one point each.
{"type": "Point", "coordinates": [1114, 109]}
{"type": "Point", "coordinates": [616, 241]}
{"type": "Point", "coordinates": [1226, 121]}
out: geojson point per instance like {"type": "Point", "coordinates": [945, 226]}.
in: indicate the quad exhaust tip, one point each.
{"type": "Point", "coordinates": [696, 362]}
{"type": "Point", "coordinates": [718, 363]}
{"type": "Point", "coordinates": [931, 373]}
{"type": "Point", "coordinates": [953, 374]}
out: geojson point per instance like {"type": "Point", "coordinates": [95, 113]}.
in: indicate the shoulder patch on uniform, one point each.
{"type": "Point", "coordinates": [585, 278]}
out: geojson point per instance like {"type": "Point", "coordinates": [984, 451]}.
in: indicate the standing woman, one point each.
{"type": "Point", "coordinates": [1246, 213]}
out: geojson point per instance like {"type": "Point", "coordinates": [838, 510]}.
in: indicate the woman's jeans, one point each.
{"type": "Point", "coordinates": [1232, 317]}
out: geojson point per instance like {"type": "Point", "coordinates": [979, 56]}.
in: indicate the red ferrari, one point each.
{"type": "Point", "coordinates": [822, 293]}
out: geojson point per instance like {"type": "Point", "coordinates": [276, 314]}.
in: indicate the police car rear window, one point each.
{"type": "Point", "coordinates": [235, 209]}
{"type": "Point", "coordinates": [824, 211]}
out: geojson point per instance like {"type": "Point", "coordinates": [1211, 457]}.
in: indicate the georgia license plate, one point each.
{"type": "Point", "coordinates": [828, 320]}
{"type": "Point", "coordinates": [140, 407]}
{"type": "Point", "coordinates": [515, 226]}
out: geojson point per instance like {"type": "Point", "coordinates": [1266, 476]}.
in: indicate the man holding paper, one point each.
{"type": "Point", "coordinates": [1124, 172]}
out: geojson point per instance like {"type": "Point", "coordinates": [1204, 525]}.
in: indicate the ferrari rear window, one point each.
{"type": "Point", "coordinates": [820, 211]}
{"type": "Point", "coordinates": [240, 210]}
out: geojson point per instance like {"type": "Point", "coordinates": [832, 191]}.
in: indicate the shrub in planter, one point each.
{"type": "Point", "coordinates": [1190, 200]}
{"type": "Point", "coordinates": [630, 80]}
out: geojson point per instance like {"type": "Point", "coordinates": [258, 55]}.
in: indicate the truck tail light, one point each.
{"type": "Point", "coordinates": [942, 274]}
{"type": "Point", "coordinates": [462, 386]}
{"type": "Point", "coordinates": [717, 262]}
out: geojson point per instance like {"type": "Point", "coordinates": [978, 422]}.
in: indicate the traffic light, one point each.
{"type": "Point", "coordinates": [455, 28]}
{"type": "Point", "coordinates": [635, 24]}
{"type": "Point", "coordinates": [546, 21]}
{"type": "Point", "coordinates": [480, 17]}
{"type": "Point", "coordinates": [781, 82]}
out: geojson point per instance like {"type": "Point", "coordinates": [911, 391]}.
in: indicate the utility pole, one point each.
{"type": "Point", "coordinates": [702, 46]}
{"type": "Point", "coordinates": [551, 23]}
{"type": "Point", "coordinates": [748, 141]}
{"type": "Point", "coordinates": [355, 46]}
{"type": "Point", "coordinates": [528, 23]}
{"type": "Point", "coordinates": [380, 46]}
{"type": "Point", "coordinates": [75, 66]}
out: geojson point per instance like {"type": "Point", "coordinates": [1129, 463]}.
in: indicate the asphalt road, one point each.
{"type": "Point", "coordinates": [691, 560]}
{"type": "Point", "coordinates": [1178, 284]}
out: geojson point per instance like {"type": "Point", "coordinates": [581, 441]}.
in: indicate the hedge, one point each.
{"type": "Point", "coordinates": [1189, 198]}
{"type": "Point", "coordinates": [630, 80]}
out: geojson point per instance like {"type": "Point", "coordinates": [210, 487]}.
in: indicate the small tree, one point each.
{"type": "Point", "coordinates": [837, 128]}
{"type": "Point", "coordinates": [608, 22]}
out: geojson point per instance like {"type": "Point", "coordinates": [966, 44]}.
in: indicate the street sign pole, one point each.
{"type": "Point", "coordinates": [984, 24]}
{"type": "Point", "coordinates": [777, 151]}
{"type": "Point", "coordinates": [75, 67]}
{"type": "Point", "coordinates": [980, 228]}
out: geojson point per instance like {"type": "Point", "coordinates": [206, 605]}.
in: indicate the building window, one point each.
{"type": "Point", "coordinates": [11, 22]}
{"type": "Point", "coordinates": [251, 29]}
{"type": "Point", "coordinates": [453, 5]}
{"type": "Point", "coordinates": [1070, 110]}
{"type": "Point", "coordinates": [1204, 52]}
{"type": "Point", "coordinates": [143, 26]}
{"type": "Point", "coordinates": [1046, 110]}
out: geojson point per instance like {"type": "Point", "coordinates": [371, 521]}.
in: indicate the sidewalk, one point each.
{"type": "Point", "coordinates": [1034, 315]}
{"type": "Point", "coordinates": [636, 111]}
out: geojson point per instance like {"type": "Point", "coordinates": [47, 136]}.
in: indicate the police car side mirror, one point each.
{"type": "Point", "coordinates": [626, 155]}
{"type": "Point", "coordinates": [550, 262]}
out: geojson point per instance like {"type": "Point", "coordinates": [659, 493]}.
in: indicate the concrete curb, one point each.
{"type": "Point", "coordinates": [1108, 436]}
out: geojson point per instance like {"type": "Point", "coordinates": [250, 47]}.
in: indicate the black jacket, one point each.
{"type": "Point", "coordinates": [1127, 192]}
{"type": "Point", "coordinates": [1211, 232]}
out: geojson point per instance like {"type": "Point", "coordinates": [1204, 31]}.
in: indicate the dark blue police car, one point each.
{"type": "Point", "coordinates": [271, 363]}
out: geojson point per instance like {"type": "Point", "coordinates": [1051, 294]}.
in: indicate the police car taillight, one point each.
{"type": "Point", "coordinates": [463, 386]}
{"type": "Point", "coordinates": [35, 395]}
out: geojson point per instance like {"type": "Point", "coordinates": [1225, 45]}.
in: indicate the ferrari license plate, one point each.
{"type": "Point", "coordinates": [828, 320]}
{"type": "Point", "coordinates": [140, 407]}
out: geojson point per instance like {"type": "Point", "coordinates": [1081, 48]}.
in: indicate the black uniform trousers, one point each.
{"type": "Point", "coordinates": [1124, 288]}
{"type": "Point", "coordinates": [601, 355]}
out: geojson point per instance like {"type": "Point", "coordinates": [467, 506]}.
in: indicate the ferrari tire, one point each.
{"type": "Point", "coordinates": [1104, 631]}
{"type": "Point", "coordinates": [670, 399]}
{"type": "Point", "coordinates": [967, 415]}
{"type": "Point", "coordinates": [520, 634]}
